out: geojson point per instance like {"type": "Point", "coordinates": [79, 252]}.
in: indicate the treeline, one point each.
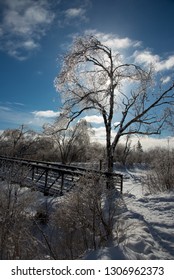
{"type": "Point", "coordinates": [74, 145]}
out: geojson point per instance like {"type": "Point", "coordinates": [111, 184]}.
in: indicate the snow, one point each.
{"type": "Point", "coordinates": [145, 228]}
{"type": "Point", "coordinates": [143, 231]}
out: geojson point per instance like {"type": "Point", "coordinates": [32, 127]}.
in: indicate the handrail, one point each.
{"type": "Point", "coordinates": [51, 166]}
{"type": "Point", "coordinates": [73, 171]}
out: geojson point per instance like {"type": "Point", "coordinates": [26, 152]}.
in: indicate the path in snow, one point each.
{"type": "Point", "coordinates": [149, 219]}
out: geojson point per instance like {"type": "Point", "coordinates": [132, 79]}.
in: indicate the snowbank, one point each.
{"type": "Point", "coordinates": [145, 229]}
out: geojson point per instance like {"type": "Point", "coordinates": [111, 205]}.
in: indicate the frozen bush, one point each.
{"type": "Point", "coordinates": [85, 219]}
{"type": "Point", "coordinates": [161, 176]}
{"type": "Point", "coordinates": [16, 226]}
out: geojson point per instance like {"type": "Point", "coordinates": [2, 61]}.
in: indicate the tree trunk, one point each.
{"type": "Point", "coordinates": [110, 160]}
{"type": "Point", "coordinates": [110, 167]}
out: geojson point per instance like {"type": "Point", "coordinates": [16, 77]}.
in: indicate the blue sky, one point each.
{"type": "Point", "coordinates": [34, 33]}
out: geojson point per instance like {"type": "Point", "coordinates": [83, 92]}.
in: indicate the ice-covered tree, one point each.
{"type": "Point", "coordinates": [94, 77]}
{"type": "Point", "coordinates": [71, 143]}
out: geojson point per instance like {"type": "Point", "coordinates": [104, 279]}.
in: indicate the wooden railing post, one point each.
{"type": "Point", "coordinates": [100, 164]}
{"type": "Point", "coordinates": [46, 182]}
{"type": "Point", "coordinates": [62, 183]}
{"type": "Point", "coordinates": [32, 176]}
{"type": "Point", "coordinates": [121, 189]}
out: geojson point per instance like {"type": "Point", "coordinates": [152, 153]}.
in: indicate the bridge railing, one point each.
{"type": "Point", "coordinates": [49, 177]}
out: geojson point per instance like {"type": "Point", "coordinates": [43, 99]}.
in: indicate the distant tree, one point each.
{"type": "Point", "coordinates": [17, 142]}
{"type": "Point", "coordinates": [44, 148]}
{"type": "Point", "coordinates": [139, 151]}
{"type": "Point", "coordinates": [161, 176]}
{"type": "Point", "coordinates": [93, 77]}
{"type": "Point", "coordinates": [96, 152]}
{"type": "Point", "coordinates": [139, 147]}
{"type": "Point", "coordinates": [124, 150]}
{"type": "Point", "coordinates": [72, 143]}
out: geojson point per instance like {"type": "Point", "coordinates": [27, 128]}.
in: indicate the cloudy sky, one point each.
{"type": "Point", "coordinates": [33, 33]}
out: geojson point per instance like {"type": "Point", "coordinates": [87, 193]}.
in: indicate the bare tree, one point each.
{"type": "Point", "coordinates": [123, 151]}
{"type": "Point", "coordinates": [93, 77]}
{"type": "Point", "coordinates": [17, 142]}
{"type": "Point", "coordinates": [72, 143]}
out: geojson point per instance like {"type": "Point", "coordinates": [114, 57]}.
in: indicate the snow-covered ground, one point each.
{"type": "Point", "coordinates": [145, 229]}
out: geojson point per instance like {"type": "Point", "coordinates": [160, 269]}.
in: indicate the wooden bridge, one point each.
{"type": "Point", "coordinates": [49, 178]}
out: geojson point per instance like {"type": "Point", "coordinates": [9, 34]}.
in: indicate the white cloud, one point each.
{"type": "Point", "coordinates": [45, 114]}
{"type": "Point", "coordinates": [166, 64]}
{"type": "Point", "coordinates": [120, 43]}
{"type": "Point", "coordinates": [100, 134]}
{"type": "Point", "coordinates": [4, 108]}
{"type": "Point", "coordinates": [30, 45]}
{"type": "Point", "coordinates": [74, 12]}
{"type": "Point", "coordinates": [12, 114]}
{"type": "Point", "coordinates": [148, 142]}
{"type": "Point", "coordinates": [165, 80]}
{"type": "Point", "coordinates": [125, 45]}
{"type": "Point", "coordinates": [94, 119]}
{"type": "Point", "coordinates": [114, 41]}
{"type": "Point", "coordinates": [74, 15]}
{"type": "Point", "coordinates": [18, 103]}
{"type": "Point", "coordinates": [23, 24]}
{"type": "Point", "coordinates": [146, 57]}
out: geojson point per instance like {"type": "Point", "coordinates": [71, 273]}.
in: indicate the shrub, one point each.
{"type": "Point", "coordinates": [85, 219]}
{"type": "Point", "coordinates": [16, 236]}
{"type": "Point", "coordinates": [161, 176]}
